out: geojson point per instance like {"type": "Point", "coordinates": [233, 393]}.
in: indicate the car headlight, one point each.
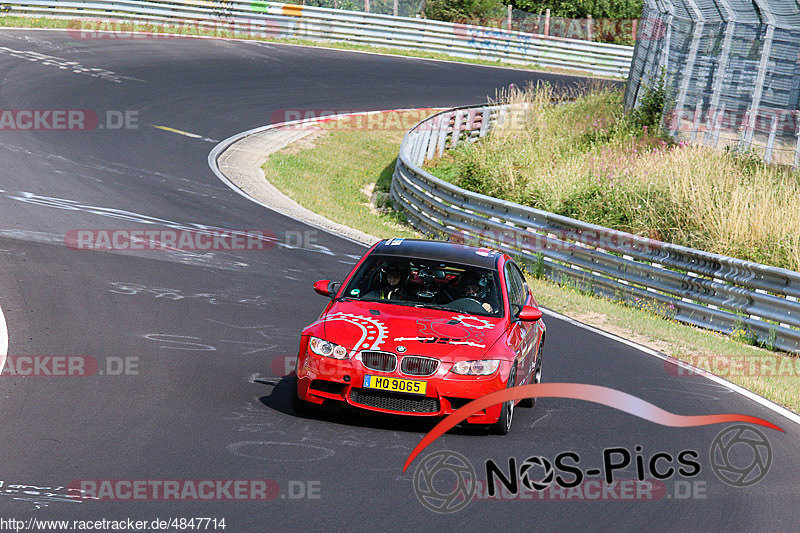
{"type": "Point", "coordinates": [326, 348]}
{"type": "Point", "coordinates": [483, 367]}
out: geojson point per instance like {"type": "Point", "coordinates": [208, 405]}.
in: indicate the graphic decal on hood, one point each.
{"type": "Point", "coordinates": [469, 321]}
{"type": "Point", "coordinates": [440, 340]}
{"type": "Point", "coordinates": [463, 330]}
{"type": "Point", "coordinates": [373, 331]}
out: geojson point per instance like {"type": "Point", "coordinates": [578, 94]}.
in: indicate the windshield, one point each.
{"type": "Point", "coordinates": [427, 283]}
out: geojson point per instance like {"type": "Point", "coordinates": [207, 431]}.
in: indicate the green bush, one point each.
{"type": "Point", "coordinates": [461, 10]}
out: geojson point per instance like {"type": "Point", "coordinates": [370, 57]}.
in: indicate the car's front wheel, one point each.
{"type": "Point", "coordinates": [503, 424]}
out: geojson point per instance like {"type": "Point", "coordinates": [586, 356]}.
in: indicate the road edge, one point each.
{"type": "Point", "coordinates": [764, 402]}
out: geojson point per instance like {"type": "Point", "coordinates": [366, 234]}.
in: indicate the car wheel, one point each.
{"type": "Point", "coordinates": [503, 424]}
{"type": "Point", "coordinates": [537, 376]}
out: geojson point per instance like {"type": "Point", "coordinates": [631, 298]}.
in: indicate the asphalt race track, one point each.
{"type": "Point", "coordinates": [206, 335]}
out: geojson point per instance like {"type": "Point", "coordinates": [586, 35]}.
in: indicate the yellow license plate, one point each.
{"type": "Point", "coordinates": [410, 386]}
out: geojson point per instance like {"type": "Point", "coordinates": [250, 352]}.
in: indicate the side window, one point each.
{"type": "Point", "coordinates": [523, 284]}
{"type": "Point", "coordinates": [514, 284]}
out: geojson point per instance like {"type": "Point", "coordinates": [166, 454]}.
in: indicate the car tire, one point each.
{"type": "Point", "coordinates": [537, 376]}
{"type": "Point", "coordinates": [503, 424]}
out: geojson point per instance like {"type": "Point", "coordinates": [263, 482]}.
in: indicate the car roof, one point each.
{"type": "Point", "coordinates": [439, 250]}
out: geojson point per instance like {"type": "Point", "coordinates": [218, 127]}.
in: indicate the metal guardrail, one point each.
{"type": "Point", "coordinates": [703, 289]}
{"type": "Point", "coordinates": [293, 21]}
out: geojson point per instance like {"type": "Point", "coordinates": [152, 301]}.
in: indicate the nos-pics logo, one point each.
{"type": "Point", "coordinates": [445, 481]}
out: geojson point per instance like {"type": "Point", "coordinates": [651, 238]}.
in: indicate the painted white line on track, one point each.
{"type": "Point", "coordinates": [772, 406]}
{"type": "Point", "coordinates": [3, 340]}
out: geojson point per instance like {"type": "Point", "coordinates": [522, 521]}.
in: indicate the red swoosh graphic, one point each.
{"type": "Point", "coordinates": [579, 391]}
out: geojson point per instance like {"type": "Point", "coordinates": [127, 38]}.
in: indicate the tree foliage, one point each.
{"type": "Point", "coordinates": [461, 10]}
{"type": "Point", "coordinates": [612, 9]}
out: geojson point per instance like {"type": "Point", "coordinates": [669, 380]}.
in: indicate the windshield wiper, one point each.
{"type": "Point", "coordinates": [434, 306]}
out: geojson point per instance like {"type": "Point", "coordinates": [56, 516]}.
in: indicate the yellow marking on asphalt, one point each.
{"type": "Point", "coordinates": [179, 132]}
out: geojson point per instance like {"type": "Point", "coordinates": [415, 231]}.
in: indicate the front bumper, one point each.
{"type": "Point", "coordinates": [321, 378]}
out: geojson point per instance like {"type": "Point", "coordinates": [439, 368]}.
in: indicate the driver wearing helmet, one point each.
{"type": "Point", "coordinates": [394, 278]}
{"type": "Point", "coordinates": [473, 287]}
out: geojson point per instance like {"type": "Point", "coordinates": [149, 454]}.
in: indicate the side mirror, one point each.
{"type": "Point", "coordinates": [326, 287]}
{"type": "Point", "coordinates": [529, 314]}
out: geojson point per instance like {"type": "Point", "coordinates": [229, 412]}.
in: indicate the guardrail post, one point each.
{"type": "Point", "coordinates": [394, 8]}
{"type": "Point", "coordinates": [508, 17]}
{"type": "Point", "coordinates": [366, 6]}
{"type": "Point", "coordinates": [589, 28]}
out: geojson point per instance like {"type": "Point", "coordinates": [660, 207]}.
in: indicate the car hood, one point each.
{"type": "Point", "coordinates": [447, 335]}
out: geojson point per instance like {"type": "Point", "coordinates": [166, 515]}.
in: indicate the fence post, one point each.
{"type": "Point", "coordinates": [747, 138]}
{"type": "Point", "coordinates": [697, 35]}
{"type": "Point", "coordinates": [758, 92]}
{"type": "Point", "coordinates": [547, 22]}
{"type": "Point", "coordinates": [796, 164]}
{"type": "Point", "coordinates": [771, 142]}
{"type": "Point", "coordinates": [722, 67]}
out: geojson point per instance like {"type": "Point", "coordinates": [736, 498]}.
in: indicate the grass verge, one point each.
{"type": "Point", "coordinates": [123, 30]}
{"type": "Point", "coordinates": [330, 177]}
{"type": "Point", "coordinates": [591, 161]}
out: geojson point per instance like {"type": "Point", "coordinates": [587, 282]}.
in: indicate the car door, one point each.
{"type": "Point", "coordinates": [523, 333]}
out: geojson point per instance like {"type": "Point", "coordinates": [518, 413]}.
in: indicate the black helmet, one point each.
{"type": "Point", "coordinates": [472, 278]}
{"type": "Point", "coordinates": [396, 267]}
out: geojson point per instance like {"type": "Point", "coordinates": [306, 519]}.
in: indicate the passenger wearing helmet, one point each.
{"type": "Point", "coordinates": [472, 286]}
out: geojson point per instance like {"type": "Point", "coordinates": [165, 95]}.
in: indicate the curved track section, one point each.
{"type": "Point", "coordinates": [206, 334]}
